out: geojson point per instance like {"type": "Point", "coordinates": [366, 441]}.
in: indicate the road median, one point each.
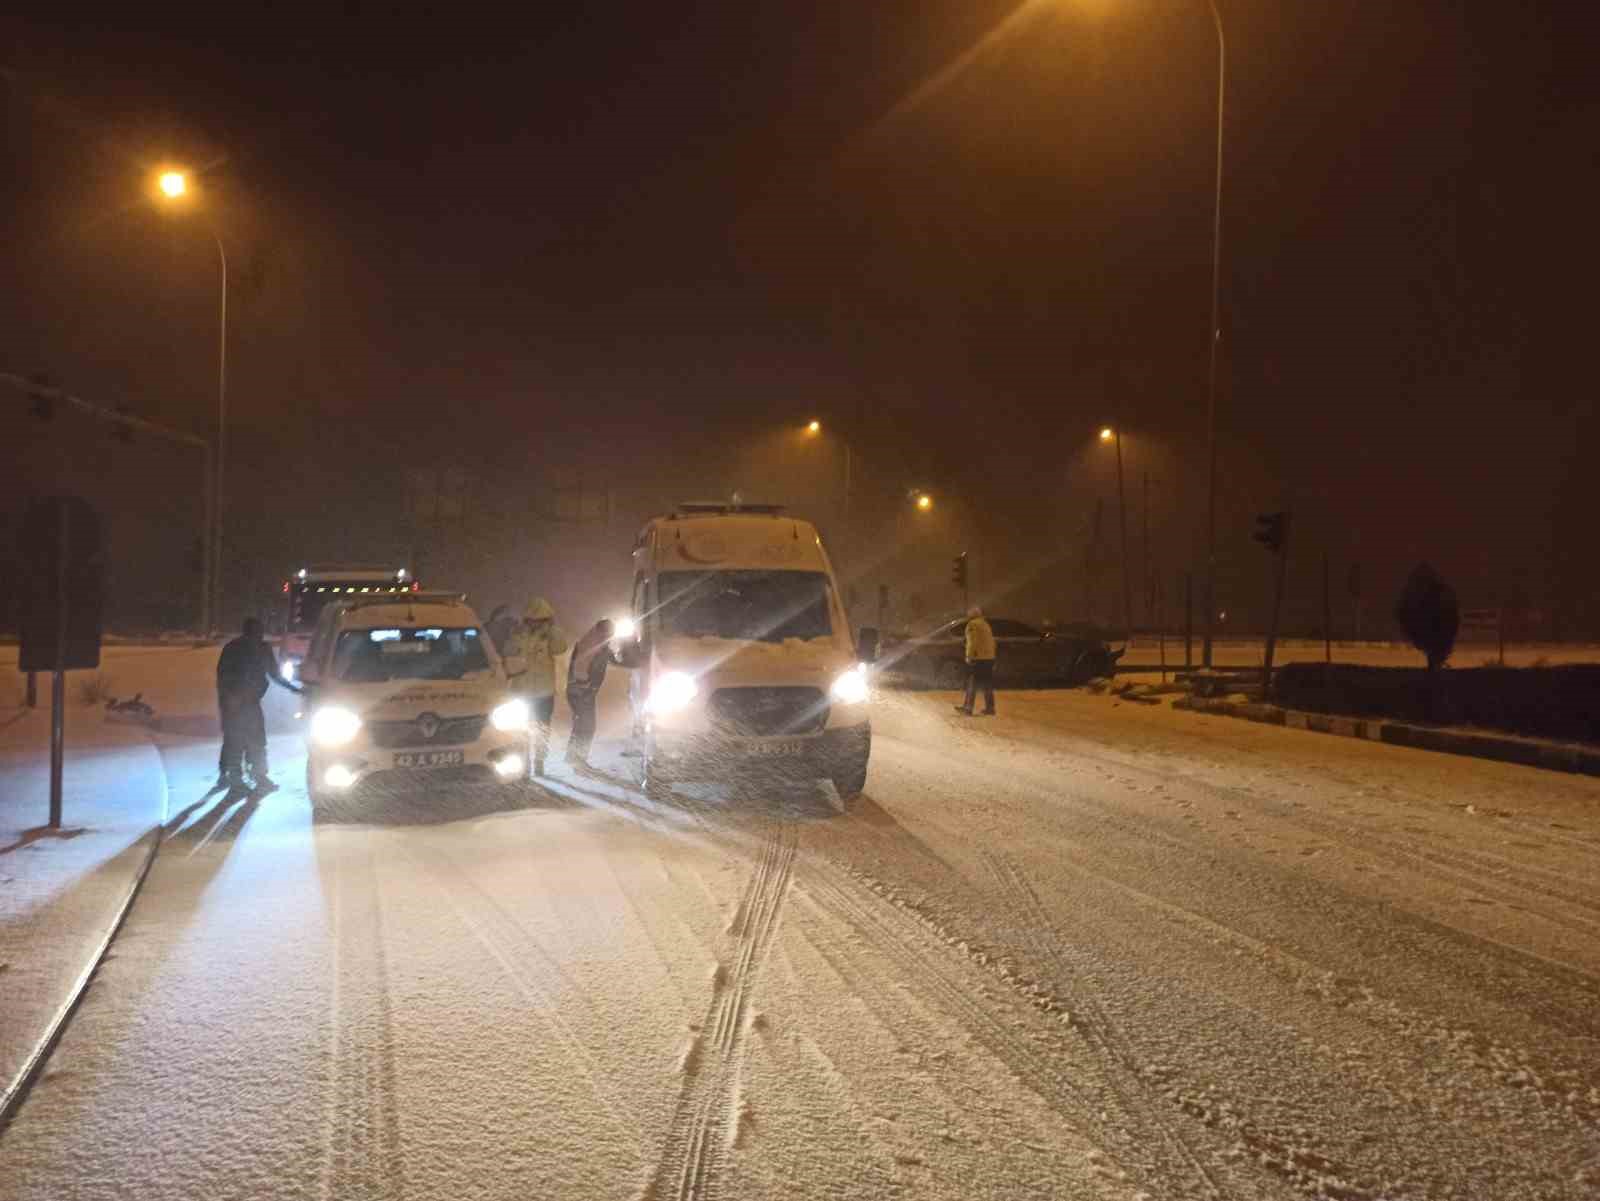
{"type": "Point", "coordinates": [1449, 740]}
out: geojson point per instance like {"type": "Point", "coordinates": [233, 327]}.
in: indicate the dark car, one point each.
{"type": "Point", "coordinates": [1024, 654]}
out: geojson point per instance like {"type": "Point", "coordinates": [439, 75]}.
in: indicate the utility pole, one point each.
{"type": "Point", "coordinates": [1149, 581]}
{"type": "Point", "coordinates": [1188, 621]}
{"type": "Point", "coordinates": [1327, 613]}
{"type": "Point", "coordinates": [1122, 517]}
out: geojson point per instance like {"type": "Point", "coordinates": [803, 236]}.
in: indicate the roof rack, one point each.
{"type": "Point", "coordinates": [402, 598]}
{"type": "Point", "coordinates": [711, 508]}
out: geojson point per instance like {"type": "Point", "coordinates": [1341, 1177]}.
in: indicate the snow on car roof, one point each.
{"type": "Point", "coordinates": [418, 610]}
{"type": "Point", "coordinates": [734, 541]}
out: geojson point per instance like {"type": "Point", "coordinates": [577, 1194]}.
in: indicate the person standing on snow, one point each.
{"type": "Point", "coordinates": [537, 640]}
{"type": "Point", "coordinates": [585, 673]}
{"type": "Point", "coordinates": [244, 669]}
{"type": "Point", "coordinates": [980, 663]}
{"type": "Point", "coordinates": [499, 628]}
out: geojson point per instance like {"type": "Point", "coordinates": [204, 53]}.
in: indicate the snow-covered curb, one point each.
{"type": "Point", "coordinates": [1506, 748]}
{"type": "Point", "coordinates": [65, 894]}
{"type": "Point", "coordinates": [16, 1089]}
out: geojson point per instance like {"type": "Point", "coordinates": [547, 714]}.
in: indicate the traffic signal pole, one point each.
{"type": "Point", "coordinates": [1274, 535]}
{"type": "Point", "coordinates": [58, 688]}
{"type": "Point", "coordinates": [1122, 517]}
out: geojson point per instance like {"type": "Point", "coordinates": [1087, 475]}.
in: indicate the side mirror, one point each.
{"type": "Point", "coordinates": [867, 645]}
{"type": "Point", "coordinates": [516, 665]}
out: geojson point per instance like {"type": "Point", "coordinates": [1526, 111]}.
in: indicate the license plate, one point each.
{"type": "Point", "coordinates": [430, 759]}
{"type": "Point", "coordinates": [778, 748]}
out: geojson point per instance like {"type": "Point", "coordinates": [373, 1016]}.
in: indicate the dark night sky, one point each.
{"type": "Point", "coordinates": [663, 219]}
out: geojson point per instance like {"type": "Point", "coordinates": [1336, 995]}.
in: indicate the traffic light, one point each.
{"type": "Point", "coordinates": [1273, 529]}
{"type": "Point", "coordinates": [958, 570]}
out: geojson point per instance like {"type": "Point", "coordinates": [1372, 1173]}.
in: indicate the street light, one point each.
{"type": "Point", "coordinates": [813, 428]}
{"type": "Point", "coordinates": [924, 502]}
{"type": "Point", "coordinates": [174, 186]}
{"type": "Point", "coordinates": [1216, 337]}
{"type": "Point", "coordinates": [1110, 434]}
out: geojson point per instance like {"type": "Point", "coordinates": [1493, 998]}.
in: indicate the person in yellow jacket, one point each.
{"type": "Point", "coordinates": [537, 641]}
{"type": "Point", "coordinates": [980, 663]}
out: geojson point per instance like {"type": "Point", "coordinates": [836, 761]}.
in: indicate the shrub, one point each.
{"type": "Point", "coordinates": [1429, 615]}
{"type": "Point", "coordinates": [95, 689]}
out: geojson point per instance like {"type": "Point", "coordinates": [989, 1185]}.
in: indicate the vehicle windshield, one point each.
{"type": "Point", "coordinates": [307, 599]}
{"type": "Point", "coordinates": [437, 653]}
{"type": "Point", "coordinates": [758, 606]}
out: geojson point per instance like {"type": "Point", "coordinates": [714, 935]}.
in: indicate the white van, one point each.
{"type": "Point", "coordinates": [741, 651]}
{"type": "Point", "coordinates": [407, 688]}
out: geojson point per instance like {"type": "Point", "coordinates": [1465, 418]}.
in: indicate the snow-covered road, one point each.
{"type": "Point", "coordinates": [1086, 949]}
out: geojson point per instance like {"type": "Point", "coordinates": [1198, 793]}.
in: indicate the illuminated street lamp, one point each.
{"type": "Point", "coordinates": [1110, 434]}
{"type": "Point", "coordinates": [923, 501]}
{"type": "Point", "coordinates": [812, 429]}
{"type": "Point", "coordinates": [1214, 336]}
{"type": "Point", "coordinates": [173, 186]}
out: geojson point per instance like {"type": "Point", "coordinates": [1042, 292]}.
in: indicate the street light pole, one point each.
{"type": "Point", "coordinates": [1216, 337]}
{"type": "Point", "coordinates": [222, 425]}
{"type": "Point", "coordinates": [1146, 585]}
{"type": "Point", "coordinates": [1122, 516]}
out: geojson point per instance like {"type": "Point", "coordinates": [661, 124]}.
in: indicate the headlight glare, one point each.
{"type": "Point", "coordinates": [512, 715]}
{"type": "Point", "coordinates": [334, 726]}
{"type": "Point", "coordinates": [851, 687]}
{"type": "Point", "coordinates": [671, 692]}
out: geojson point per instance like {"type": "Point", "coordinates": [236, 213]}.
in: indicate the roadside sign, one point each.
{"type": "Point", "coordinates": [61, 608]}
{"type": "Point", "coordinates": [62, 598]}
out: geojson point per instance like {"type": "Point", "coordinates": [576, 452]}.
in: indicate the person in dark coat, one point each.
{"type": "Point", "coordinates": [585, 673]}
{"type": "Point", "coordinates": [245, 668]}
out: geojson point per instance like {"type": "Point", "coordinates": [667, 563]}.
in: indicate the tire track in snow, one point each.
{"type": "Point", "coordinates": [1464, 868]}
{"type": "Point", "coordinates": [897, 937]}
{"type": "Point", "coordinates": [361, 1144]}
{"type": "Point", "coordinates": [526, 964]}
{"type": "Point", "coordinates": [1558, 1086]}
{"type": "Point", "coordinates": [1091, 1022]}
{"type": "Point", "coordinates": [1093, 1103]}
{"type": "Point", "coordinates": [704, 1122]}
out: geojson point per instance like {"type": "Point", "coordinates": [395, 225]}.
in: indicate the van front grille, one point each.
{"type": "Point", "coordinates": [764, 711]}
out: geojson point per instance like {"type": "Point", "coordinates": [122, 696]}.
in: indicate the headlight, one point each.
{"type": "Point", "coordinates": [671, 692]}
{"type": "Point", "coordinates": [334, 726]}
{"type": "Point", "coordinates": [287, 670]}
{"type": "Point", "coordinates": [851, 687]}
{"type": "Point", "coordinates": [513, 715]}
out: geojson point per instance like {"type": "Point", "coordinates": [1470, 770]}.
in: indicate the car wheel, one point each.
{"type": "Point", "coordinates": [950, 675]}
{"type": "Point", "coordinates": [317, 795]}
{"type": "Point", "coordinates": [852, 783]}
